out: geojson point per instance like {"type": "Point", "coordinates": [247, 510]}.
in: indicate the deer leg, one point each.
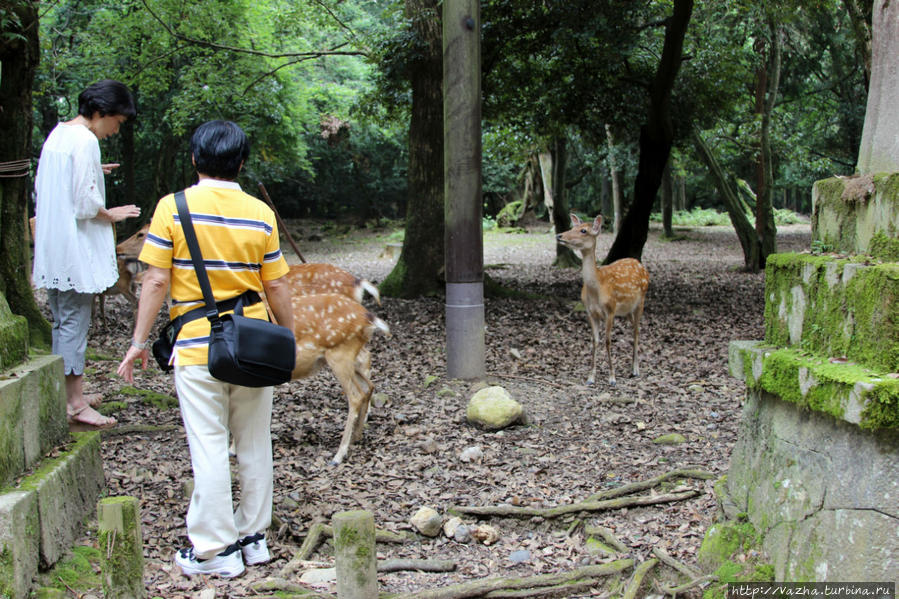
{"type": "Point", "coordinates": [344, 370]}
{"type": "Point", "coordinates": [635, 319]}
{"type": "Point", "coordinates": [610, 319]}
{"type": "Point", "coordinates": [594, 337]}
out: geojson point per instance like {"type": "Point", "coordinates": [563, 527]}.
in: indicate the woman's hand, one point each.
{"type": "Point", "coordinates": [109, 167]}
{"type": "Point", "coordinates": [120, 213]}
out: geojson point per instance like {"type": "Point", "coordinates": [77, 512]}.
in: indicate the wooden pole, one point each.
{"type": "Point", "coordinates": [121, 548]}
{"type": "Point", "coordinates": [464, 244]}
{"type": "Point", "coordinates": [281, 224]}
{"type": "Point", "coordinates": [354, 553]}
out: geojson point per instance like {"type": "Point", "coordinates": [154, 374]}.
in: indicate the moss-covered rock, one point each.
{"type": "Point", "coordinates": [845, 391]}
{"type": "Point", "coordinates": [13, 336]}
{"type": "Point", "coordinates": [834, 307]}
{"type": "Point", "coordinates": [847, 213]}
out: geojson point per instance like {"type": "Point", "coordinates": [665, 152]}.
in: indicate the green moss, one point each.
{"type": "Point", "coordinates": [816, 383]}
{"type": "Point", "coordinates": [49, 465]}
{"type": "Point", "coordinates": [7, 586]}
{"type": "Point", "coordinates": [78, 572]}
{"type": "Point", "coordinates": [159, 400]}
{"type": "Point", "coordinates": [108, 408]}
{"type": "Point", "coordinates": [884, 248]}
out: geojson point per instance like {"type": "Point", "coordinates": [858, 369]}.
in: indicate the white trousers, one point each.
{"type": "Point", "coordinates": [210, 408]}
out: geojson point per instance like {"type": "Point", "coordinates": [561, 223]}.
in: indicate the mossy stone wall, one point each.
{"type": "Point", "coordinates": [834, 307]}
{"type": "Point", "coordinates": [13, 336]}
{"type": "Point", "coordinates": [856, 215]}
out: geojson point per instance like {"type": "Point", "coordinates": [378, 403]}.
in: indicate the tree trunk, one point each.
{"type": "Point", "coordinates": [879, 148]}
{"type": "Point", "coordinates": [655, 139]}
{"type": "Point", "coordinates": [616, 187]}
{"type": "Point", "coordinates": [861, 17]}
{"type": "Point", "coordinates": [749, 240]}
{"type": "Point", "coordinates": [667, 201]}
{"type": "Point", "coordinates": [766, 93]}
{"type": "Point", "coordinates": [19, 56]}
{"type": "Point", "coordinates": [560, 214]}
{"type": "Point", "coordinates": [681, 192]}
{"type": "Point", "coordinates": [417, 271]}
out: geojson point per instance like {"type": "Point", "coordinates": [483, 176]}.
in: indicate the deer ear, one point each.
{"type": "Point", "coordinates": [575, 221]}
{"type": "Point", "coordinates": [597, 224]}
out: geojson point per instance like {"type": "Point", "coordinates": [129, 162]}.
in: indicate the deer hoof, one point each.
{"type": "Point", "coordinates": [612, 382]}
{"type": "Point", "coordinates": [590, 382]}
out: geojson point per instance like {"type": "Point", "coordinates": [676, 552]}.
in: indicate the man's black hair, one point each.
{"type": "Point", "coordinates": [108, 97]}
{"type": "Point", "coordinates": [219, 148]}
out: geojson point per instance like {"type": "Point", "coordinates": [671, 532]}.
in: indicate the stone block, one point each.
{"type": "Point", "coordinates": [121, 548]}
{"type": "Point", "coordinates": [845, 391]}
{"type": "Point", "coordinates": [19, 543]}
{"type": "Point", "coordinates": [13, 336]}
{"type": "Point", "coordinates": [32, 414]}
{"type": "Point", "coordinates": [834, 307]}
{"type": "Point", "coordinates": [67, 488]}
{"type": "Point", "coordinates": [821, 492]}
{"type": "Point", "coordinates": [857, 215]}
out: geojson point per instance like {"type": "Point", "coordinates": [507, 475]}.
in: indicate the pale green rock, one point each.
{"type": "Point", "coordinates": [670, 439]}
{"type": "Point", "coordinates": [493, 408]}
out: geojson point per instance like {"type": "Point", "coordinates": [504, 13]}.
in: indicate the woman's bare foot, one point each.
{"type": "Point", "coordinates": [87, 418]}
{"type": "Point", "coordinates": [93, 399]}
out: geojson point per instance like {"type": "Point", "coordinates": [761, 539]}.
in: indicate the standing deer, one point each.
{"type": "Point", "coordinates": [310, 279]}
{"type": "Point", "coordinates": [334, 330]}
{"type": "Point", "coordinates": [617, 289]}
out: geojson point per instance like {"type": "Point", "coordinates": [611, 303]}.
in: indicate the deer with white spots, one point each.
{"type": "Point", "coordinates": [334, 330]}
{"type": "Point", "coordinates": [617, 289]}
{"type": "Point", "coordinates": [311, 279]}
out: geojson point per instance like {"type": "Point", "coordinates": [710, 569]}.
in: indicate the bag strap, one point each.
{"type": "Point", "coordinates": [190, 236]}
{"type": "Point", "coordinates": [238, 302]}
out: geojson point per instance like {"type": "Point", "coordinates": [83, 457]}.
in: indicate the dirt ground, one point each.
{"type": "Point", "coordinates": [578, 440]}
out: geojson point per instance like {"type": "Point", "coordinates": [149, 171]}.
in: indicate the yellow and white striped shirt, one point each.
{"type": "Point", "coordinates": [238, 237]}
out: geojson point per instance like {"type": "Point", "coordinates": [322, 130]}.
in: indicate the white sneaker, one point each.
{"type": "Point", "coordinates": [226, 564]}
{"type": "Point", "coordinates": [254, 549]}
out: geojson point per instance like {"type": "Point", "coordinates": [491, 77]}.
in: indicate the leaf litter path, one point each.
{"type": "Point", "coordinates": [579, 440]}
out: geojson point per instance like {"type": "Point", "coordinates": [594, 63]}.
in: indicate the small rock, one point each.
{"type": "Point", "coordinates": [379, 400]}
{"type": "Point", "coordinates": [493, 408]}
{"type": "Point", "coordinates": [670, 439]}
{"type": "Point", "coordinates": [427, 521]}
{"type": "Point", "coordinates": [318, 576]}
{"type": "Point", "coordinates": [471, 454]}
{"type": "Point", "coordinates": [515, 353]}
{"type": "Point", "coordinates": [486, 534]}
{"type": "Point", "coordinates": [450, 526]}
{"type": "Point", "coordinates": [519, 557]}
{"type": "Point", "coordinates": [462, 534]}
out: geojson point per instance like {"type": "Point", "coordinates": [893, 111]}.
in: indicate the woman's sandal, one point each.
{"type": "Point", "coordinates": [88, 418]}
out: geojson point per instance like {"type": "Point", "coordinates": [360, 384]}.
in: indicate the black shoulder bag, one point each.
{"type": "Point", "coordinates": [242, 351]}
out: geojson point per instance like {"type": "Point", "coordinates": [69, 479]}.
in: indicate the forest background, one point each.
{"type": "Point", "coordinates": [342, 101]}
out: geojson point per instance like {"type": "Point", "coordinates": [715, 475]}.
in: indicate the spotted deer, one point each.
{"type": "Point", "coordinates": [129, 270]}
{"type": "Point", "coordinates": [333, 329]}
{"type": "Point", "coordinates": [617, 289]}
{"type": "Point", "coordinates": [311, 279]}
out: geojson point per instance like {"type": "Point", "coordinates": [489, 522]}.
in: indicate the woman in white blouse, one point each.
{"type": "Point", "coordinates": [74, 249]}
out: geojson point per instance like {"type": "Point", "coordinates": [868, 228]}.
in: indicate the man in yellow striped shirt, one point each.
{"type": "Point", "coordinates": [238, 237]}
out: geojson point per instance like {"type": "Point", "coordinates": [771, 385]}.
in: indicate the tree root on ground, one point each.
{"type": "Point", "coordinates": [584, 506]}
{"type": "Point", "coordinates": [650, 483]}
{"type": "Point", "coordinates": [419, 565]}
{"type": "Point", "coordinates": [531, 586]}
{"type": "Point", "coordinates": [666, 559]}
{"type": "Point", "coordinates": [674, 591]}
{"type": "Point", "coordinates": [637, 579]}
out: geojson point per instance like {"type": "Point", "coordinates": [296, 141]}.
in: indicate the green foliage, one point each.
{"type": "Point", "coordinates": [706, 217]}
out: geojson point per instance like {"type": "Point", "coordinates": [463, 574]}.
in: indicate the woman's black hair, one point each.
{"type": "Point", "coordinates": [108, 97]}
{"type": "Point", "coordinates": [219, 148]}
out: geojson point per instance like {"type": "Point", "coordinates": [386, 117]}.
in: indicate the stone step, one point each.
{"type": "Point", "coordinates": [42, 516]}
{"type": "Point", "coordinates": [857, 215]}
{"type": "Point", "coordinates": [846, 391]}
{"type": "Point", "coordinates": [13, 336]}
{"type": "Point", "coordinates": [32, 414]}
{"type": "Point", "coordinates": [834, 307]}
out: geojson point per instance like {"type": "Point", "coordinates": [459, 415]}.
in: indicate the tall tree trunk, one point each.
{"type": "Point", "coordinates": [768, 81]}
{"type": "Point", "coordinates": [655, 139]}
{"type": "Point", "coordinates": [667, 201]}
{"type": "Point", "coordinates": [422, 257]}
{"type": "Point", "coordinates": [749, 240]}
{"type": "Point", "coordinates": [19, 56]}
{"type": "Point", "coordinates": [681, 192]}
{"type": "Point", "coordinates": [616, 186]}
{"type": "Point", "coordinates": [860, 16]}
{"type": "Point", "coordinates": [560, 214]}
{"type": "Point", "coordinates": [879, 148]}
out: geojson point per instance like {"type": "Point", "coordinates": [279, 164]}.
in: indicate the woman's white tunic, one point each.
{"type": "Point", "coordinates": [73, 250]}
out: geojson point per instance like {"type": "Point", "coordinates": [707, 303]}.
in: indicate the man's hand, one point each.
{"type": "Point", "coordinates": [126, 368]}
